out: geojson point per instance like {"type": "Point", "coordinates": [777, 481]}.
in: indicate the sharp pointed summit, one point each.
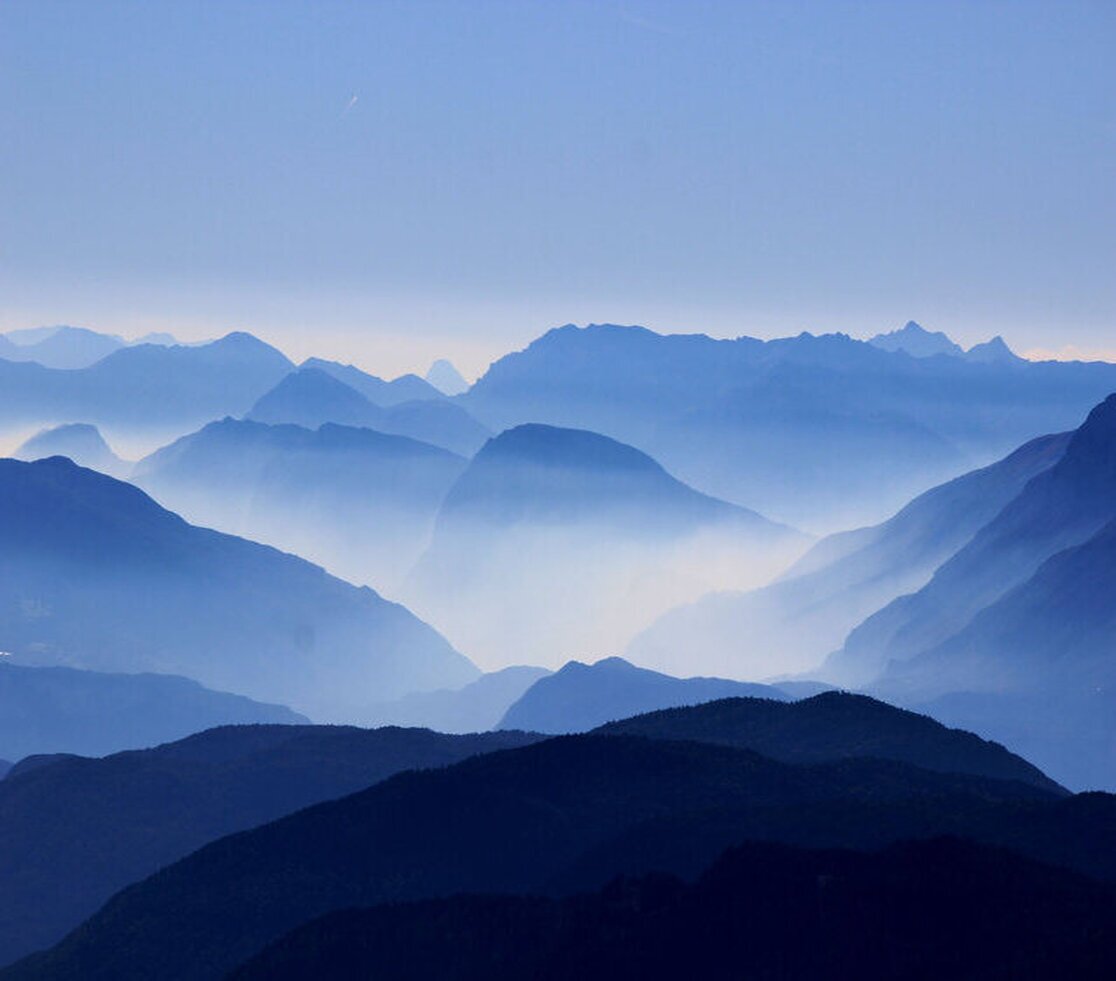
{"type": "Point", "coordinates": [915, 340]}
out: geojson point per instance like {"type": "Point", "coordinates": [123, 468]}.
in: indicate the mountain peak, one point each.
{"type": "Point", "coordinates": [994, 351]}
{"type": "Point", "coordinates": [446, 378]}
{"type": "Point", "coordinates": [914, 339]}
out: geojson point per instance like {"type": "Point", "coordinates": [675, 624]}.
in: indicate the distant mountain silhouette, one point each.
{"type": "Point", "coordinates": [146, 387]}
{"type": "Point", "coordinates": [405, 388]}
{"type": "Point", "coordinates": [60, 347]}
{"type": "Point", "coordinates": [360, 502]}
{"type": "Point", "coordinates": [821, 431]}
{"type": "Point", "coordinates": [994, 351]}
{"type": "Point", "coordinates": [580, 697]}
{"type": "Point", "coordinates": [75, 830]}
{"type": "Point", "coordinates": [477, 707]}
{"type": "Point", "coordinates": [832, 726]}
{"type": "Point", "coordinates": [557, 541]}
{"type": "Point", "coordinates": [915, 340]}
{"type": "Point", "coordinates": [564, 815]}
{"type": "Point", "coordinates": [78, 441]}
{"type": "Point", "coordinates": [63, 710]}
{"type": "Point", "coordinates": [311, 397]}
{"type": "Point", "coordinates": [793, 623]}
{"type": "Point", "coordinates": [936, 909]}
{"type": "Point", "coordinates": [95, 574]}
{"type": "Point", "coordinates": [446, 378]}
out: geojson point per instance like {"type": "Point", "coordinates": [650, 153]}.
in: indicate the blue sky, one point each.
{"type": "Point", "coordinates": [396, 181]}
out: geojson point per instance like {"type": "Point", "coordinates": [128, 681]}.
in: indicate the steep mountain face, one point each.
{"type": "Point", "coordinates": [359, 502]}
{"type": "Point", "coordinates": [94, 574]}
{"type": "Point", "coordinates": [823, 432]}
{"type": "Point", "coordinates": [477, 707]}
{"type": "Point", "coordinates": [792, 624]}
{"type": "Point", "coordinates": [145, 387]}
{"type": "Point", "coordinates": [556, 542]}
{"type": "Point", "coordinates": [564, 816]}
{"type": "Point", "coordinates": [915, 340]}
{"type": "Point", "coordinates": [994, 351]}
{"type": "Point", "coordinates": [79, 441]}
{"type": "Point", "coordinates": [446, 378]}
{"type": "Point", "coordinates": [311, 397]}
{"type": "Point", "coordinates": [833, 726]}
{"type": "Point", "coordinates": [869, 916]}
{"type": "Point", "coordinates": [73, 831]}
{"type": "Point", "coordinates": [580, 697]}
{"type": "Point", "coordinates": [1058, 509]}
{"type": "Point", "coordinates": [5, 767]}
{"type": "Point", "coordinates": [62, 710]}
{"type": "Point", "coordinates": [60, 347]}
{"type": "Point", "coordinates": [405, 388]}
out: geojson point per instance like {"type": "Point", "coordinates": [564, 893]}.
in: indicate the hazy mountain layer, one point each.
{"type": "Point", "coordinates": [63, 710]}
{"type": "Point", "coordinates": [360, 502]}
{"type": "Point", "coordinates": [580, 697]}
{"type": "Point", "coordinates": [311, 397]}
{"type": "Point", "coordinates": [95, 574]}
{"type": "Point", "coordinates": [405, 388]}
{"type": "Point", "coordinates": [73, 831]}
{"type": "Point", "coordinates": [823, 432]}
{"type": "Point", "coordinates": [556, 543]}
{"type": "Point", "coordinates": [792, 624]}
{"type": "Point", "coordinates": [78, 441]}
{"type": "Point", "coordinates": [1061, 507]}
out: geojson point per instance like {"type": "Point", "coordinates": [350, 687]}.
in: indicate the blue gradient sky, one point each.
{"type": "Point", "coordinates": [735, 168]}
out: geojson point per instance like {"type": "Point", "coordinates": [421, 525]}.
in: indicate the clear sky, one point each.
{"type": "Point", "coordinates": [389, 182]}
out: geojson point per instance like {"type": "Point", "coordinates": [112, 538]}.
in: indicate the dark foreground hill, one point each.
{"type": "Point", "coordinates": [94, 574]}
{"type": "Point", "coordinates": [834, 726]}
{"type": "Point", "coordinates": [922, 911]}
{"type": "Point", "coordinates": [63, 710]}
{"type": "Point", "coordinates": [75, 830]}
{"type": "Point", "coordinates": [563, 815]}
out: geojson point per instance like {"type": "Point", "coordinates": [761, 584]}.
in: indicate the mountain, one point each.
{"type": "Point", "coordinates": [562, 816]}
{"type": "Point", "coordinates": [446, 378]}
{"type": "Point", "coordinates": [144, 388]}
{"type": "Point", "coordinates": [918, 342]}
{"type": "Point", "coordinates": [1057, 509]}
{"type": "Point", "coordinates": [79, 441]}
{"type": "Point", "coordinates": [867, 915]}
{"type": "Point", "coordinates": [405, 388]}
{"type": "Point", "coordinates": [823, 432]}
{"type": "Point", "coordinates": [311, 397]}
{"type": "Point", "coordinates": [360, 502]}
{"type": "Point", "coordinates": [63, 710]}
{"type": "Point", "coordinates": [558, 542]}
{"type": "Point", "coordinates": [794, 623]}
{"type": "Point", "coordinates": [94, 574]}
{"type": "Point", "coordinates": [5, 767]}
{"type": "Point", "coordinates": [580, 697]}
{"type": "Point", "coordinates": [834, 726]}
{"type": "Point", "coordinates": [477, 707]}
{"type": "Point", "coordinates": [60, 347]}
{"type": "Point", "coordinates": [994, 351]}
{"type": "Point", "coordinates": [73, 830]}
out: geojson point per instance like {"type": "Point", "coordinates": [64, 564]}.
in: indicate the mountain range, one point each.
{"type": "Point", "coordinates": [824, 432]}
{"type": "Point", "coordinates": [360, 502]}
{"type": "Point", "coordinates": [68, 347]}
{"type": "Point", "coordinates": [918, 342]}
{"type": "Point", "coordinates": [95, 574]}
{"type": "Point", "coordinates": [78, 441]}
{"type": "Point", "coordinates": [313, 396]}
{"type": "Point", "coordinates": [559, 817]}
{"type": "Point", "coordinates": [557, 542]}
